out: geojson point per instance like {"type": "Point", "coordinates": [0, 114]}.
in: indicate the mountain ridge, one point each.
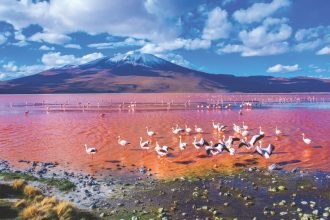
{"type": "Point", "coordinates": [139, 72]}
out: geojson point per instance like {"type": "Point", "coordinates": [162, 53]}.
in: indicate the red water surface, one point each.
{"type": "Point", "coordinates": [59, 134]}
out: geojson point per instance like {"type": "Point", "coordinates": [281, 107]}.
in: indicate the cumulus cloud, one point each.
{"type": "Point", "coordinates": [73, 46]}
{"type": "Point", "coordinates": [179, 43]}
{"type": "Point", "coordinates": [312, 38]}
{"type": "Point", "coordinates": [176, 59]}
{"type": "Point", "coordinates": [53, 38]}
{"type": "Point", "coordinates": [258, 11]}
{"type": "Point", "coordinates": [278, 68]}
{"type": "Point", "coordinates": [56, 59]}
{"type": "Point", "coordinates": [217, 25]}
{"type": "Point", "coordinates": [3, 39]}
{"type": "Point", "coordinates": [269, 38]}
{"type": "Point", "coordinates": [45, 47]}
{"type": "Point", "coordinates": [127, 42]}
{"type": "Point", "coordinates": [11, 70]}
{"type": "Point", "coordinates": [49, 60]}
{"type": "Point", "coordinates": [324, 51]}
{"type": "Point", "coordinates": [123, 18]}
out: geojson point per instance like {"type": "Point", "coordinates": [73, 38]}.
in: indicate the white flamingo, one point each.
{"type": "Point", "coordinates": [90, 150]}
{"type": "Point", "coordinates": [245, 127]}
{"type": "Point", "coordinates": [277, 131]}
{"type": "Point", "coordinates": [306, 140]}
{"type": "Point", "coordinates": [265, 152]}
{"type": "Point", "coordinates": [122, 142]}
{"type": "Point", "coordinates": [144, 144]}
{"type": "Point", "coordinates": [260, 131]}
{"type": "Point", "coordinates": [182, 145]}
{"type": "Point", "coordinates": [198, 130]}
{"type": "Point", "coordinates": [161, 151]}
{"type": "Point", "coordinates": [215, 126]}
{"type": "Point", "coordinates": [188, 130]}
{"type": "Point", "coordinates": [150, 133]}
{"type": "Point", "coordinates": [245, 133]}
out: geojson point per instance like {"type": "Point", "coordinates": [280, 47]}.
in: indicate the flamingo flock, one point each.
{"type": "Point", "coordinates": [242, 136]}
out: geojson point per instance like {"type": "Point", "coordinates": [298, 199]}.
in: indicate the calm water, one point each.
{"type": "Point", "coordinates": [73, 120]}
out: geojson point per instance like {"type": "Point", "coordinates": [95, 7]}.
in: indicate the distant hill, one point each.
{"type": "Point", "coordinates": [138, 72]}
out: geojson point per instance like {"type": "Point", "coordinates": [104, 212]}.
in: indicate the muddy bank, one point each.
{"type": "Point", "coordinates": [246, 193]}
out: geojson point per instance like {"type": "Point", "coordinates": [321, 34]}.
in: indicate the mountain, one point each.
{"type": "Point", "coordinates": [139, 72]}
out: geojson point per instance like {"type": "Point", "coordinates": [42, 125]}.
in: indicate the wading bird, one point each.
{"type": "Point", "coordinates": [144, 144]}
{"type": "Point", "coordinates": [122, 142]}
{"type": "Point", "coordinates": [198, 130]}
{"type": "Point", "coordinates": [182, 145]}
{"type": "Point", "coordinates": [277, 131]}
{"type": "Point", "coordinates": [306, 140]}
{"type": "Point", "coordinates": [265, 152]}
{"type": "Point", "coordinates": [150, 133]}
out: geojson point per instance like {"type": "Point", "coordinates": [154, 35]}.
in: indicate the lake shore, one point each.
{"type": "Point", "coordinates": [243, 194]}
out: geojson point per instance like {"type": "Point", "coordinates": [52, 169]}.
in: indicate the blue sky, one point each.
{"type": "Point", "coordinates": [283, 38]}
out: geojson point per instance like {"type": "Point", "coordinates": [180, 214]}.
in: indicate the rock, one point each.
{"type": "Point", "coordinates": [93, 206]}
{"type": "Point", "coordinates": [304, 202]}
{"type": "Point", "coordinates": [274, 166]}
{"type": "Point", "coordinates": [281, 188]}
{"type": "Point", "coordinates": [135, 218]}
{"type": "Point", "coordinates": [283, 213]}
{"type": "Point", "coordinates": [160, 210]}
{"type": "Point", "coordinates": [102, 215]}
{"type": "Point", "coordinates": [325, 214]}
{"type": "Point", "coordinates": [282, 203]}
{"type": "Point", "coordinates": [315, 212]}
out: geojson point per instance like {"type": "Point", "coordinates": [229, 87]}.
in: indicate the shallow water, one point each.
{"type": "Point", "coordinates": [57, 127]}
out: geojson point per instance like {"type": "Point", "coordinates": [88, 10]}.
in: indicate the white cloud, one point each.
{"type": "Point", "coordinates": [10, 66]}
{"type": "Point", "coordinates": [271, 31]}
{"type": "Point", "coordinates": [45, 47]}
{"type": "Point", "coordinates": [13, 71]}
{"type": "Point", "coordinates": [19, 36]}
{"type": "Point", "coordinates": [176, 59]}
{"type": "Point", "coordinates": [267, 39]}
{"type": "Point", "coordinates": [179, 43]}
{"type": "Point", "coordinates": [217, 25]}
{"type": "Point", "coordinates": [324, 51]}
{"type": "Point", "coordinates": [73, 46]}
{"type": "Point", "coordinates": [49, 60]}
{"type": "Point", "coordinates": [283, 69]}
{"type": "Point", "coordinates": [126, 43]}
{"type": "Point", "coordinates": [122, 18]}
{"type": "Point", "coordinates": [49, 37]}
{"type": "Point", "coordinates": [3, 39]}
{"type": "Point", "coordinates": [56, 59]}
{"type": "Point", "coordinates": [21, 43]}
{"type": "Point", "coordinates": [309, 45]}
{"type": "Point", "coordinates": [258, 11]}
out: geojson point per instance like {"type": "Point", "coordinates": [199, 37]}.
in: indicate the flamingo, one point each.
{"type": "Point", "coordinates": [215, 126]}
{"type": "Point", "coordinates": [182, 145]}
{"type": "Point", "coordinates": [222, 128]}
{"type": "Point", "coordinates": [252, 142]}
{"type": "Point", "coordinates": [306, 140]}
{"type": "Point", "coordinates": [198, 130]}
{"type": "Point", "coordinates": [196, 143]}
{"type": "Point", "coordinates": [150, 133]}
{"type": "Point", "coordinates": [265, 152]}
{"type": "Point", "coordinates": [144, 144]}
{"type": "Point", "coordinates": [245, 133]}
{"type": "Point", "coordinates": [277, 131]}
{"type": "Point", "coordinates": [188, 130]}
{"type": "Point", "coordinates": [122, 142]}
{"type": "Point", "coordinates": [90, 150]}
{"type": "Point", "coordinates": [245, 127]}
{"type": "Point", "coordinates": [260, 131]}
{"type": "Point", "coordinates": [161, 151]}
